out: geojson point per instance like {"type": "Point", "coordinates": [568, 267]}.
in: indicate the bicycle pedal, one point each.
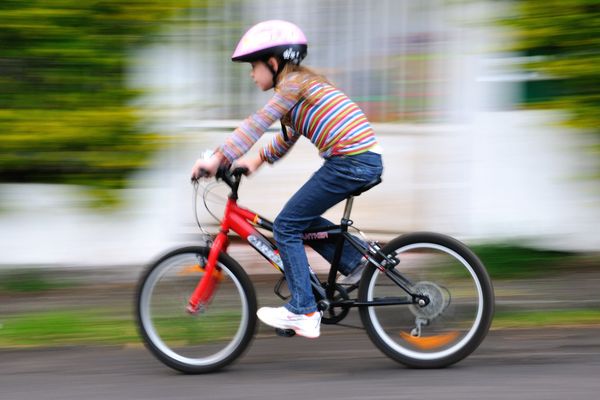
{"type": "Point", "coordinates": [285, 332]}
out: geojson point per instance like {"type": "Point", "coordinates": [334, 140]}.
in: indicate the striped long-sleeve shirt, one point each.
{"type": "Point", "coordinates": [316, 110]}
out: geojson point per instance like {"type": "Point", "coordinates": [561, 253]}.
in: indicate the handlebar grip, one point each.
{"type": "Point", "coordinates": [203, 174]}
{"type": "Point", "coordinates": [231, 177]}
{"type": "Point", "coordinates": [222, 172]}
{"type": "Point", "coordinates": [239, 171]}
{"type": "Point", "coordinates": [226, 173]}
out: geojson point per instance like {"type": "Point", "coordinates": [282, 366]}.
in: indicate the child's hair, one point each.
{"type": "Point", "coordinates": [312, 76]}
{"type": "Point", "coordinates": [309, 78]}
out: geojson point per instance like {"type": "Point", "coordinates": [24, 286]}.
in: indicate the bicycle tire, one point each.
{"type": "Point", "coordinates": [455, 321]}
{"type": "Point", "coordinates": [209, 340]}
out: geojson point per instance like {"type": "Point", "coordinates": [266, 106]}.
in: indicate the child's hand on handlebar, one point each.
{"type": "Point", "coordinates": [250, 163]}
{"type": "Point", "coordinates": [207, 166]}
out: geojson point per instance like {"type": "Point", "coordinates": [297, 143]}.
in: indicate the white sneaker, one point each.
{"type": "Point", "coordinates": [279, 317]}
{"type": "Point", "coordinates": [354, 277]}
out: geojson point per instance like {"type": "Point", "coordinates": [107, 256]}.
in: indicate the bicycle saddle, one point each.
{"type": "Point", "coordinates": [366, 187]}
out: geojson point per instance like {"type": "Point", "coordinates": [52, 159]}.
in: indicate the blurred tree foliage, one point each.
{"type": "Point", "coordinates": [65, 114]}
{"type": "Point", "coordinates": [566, 36]}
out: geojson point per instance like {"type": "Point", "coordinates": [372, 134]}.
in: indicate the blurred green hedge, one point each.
{"type": "Point", "coordinates": [65, 114]}
{"type": "Point", "coordinates": [515, 261]}
{"type": "Point", "coordinates": [564, 37]}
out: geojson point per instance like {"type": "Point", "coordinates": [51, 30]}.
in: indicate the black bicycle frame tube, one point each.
{"type": "Point", "coordinates": [339, 233]}
{"type": "Point", "coordinates": [334, 230]}
{"type": "Point", "coordinates": [398, 279]}
{"type": "Point", "coordinates": [268, 225]}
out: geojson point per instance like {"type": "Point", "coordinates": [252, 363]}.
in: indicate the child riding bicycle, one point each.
{"type": "Point", "coordinates": [307, 105]}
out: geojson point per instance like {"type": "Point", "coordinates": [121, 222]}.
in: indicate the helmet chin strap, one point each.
{"type": "Point", "coordinates": [275, 75]}
{"type": "Point", "coordinates": [281, 64]}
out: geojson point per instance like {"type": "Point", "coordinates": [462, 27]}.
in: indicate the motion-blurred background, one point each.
{"type": "Point", "coordinates": [488, 112]}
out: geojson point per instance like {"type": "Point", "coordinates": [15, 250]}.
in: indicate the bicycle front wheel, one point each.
{"type": "Point", "coordinates": [459, 307]}
{"type": "Point", "coordinates": [215, 336]}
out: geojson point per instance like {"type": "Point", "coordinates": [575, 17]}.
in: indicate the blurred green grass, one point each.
{"type": "Point", "coordinates": [107, 318]}
{"type": "Point", "coordinates": [546, 318]}
{"type": "Point", "coordinates": [30, 280]}
{"type": "Point", "coordinates": [513, 261]}
{"type": "Point", "coordinates": [67, 327]}
{"type": "Point", "coordinates": [103, 327]}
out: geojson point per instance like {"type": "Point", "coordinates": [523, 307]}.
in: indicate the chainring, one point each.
{"type": "Point", "coordinates": [335, 314]}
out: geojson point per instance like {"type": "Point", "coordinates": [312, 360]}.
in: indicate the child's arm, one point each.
{"type": "Point", "coordinates": [251, 163]}
{"type": "Point", "coordinates": [253, 127]}
{"type": "Point", "coordinates": [270, 153]}
{"type": "Point", "coordinates": [207, 165]}
{"type": "Point", "coordinates": [242, 139]}
{"type": "Point", "coordinates": [279, 146]}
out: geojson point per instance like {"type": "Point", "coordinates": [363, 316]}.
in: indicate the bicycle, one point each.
{"type": "Point", "coordinates": [424, 298]}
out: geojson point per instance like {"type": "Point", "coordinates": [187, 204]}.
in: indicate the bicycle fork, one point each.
{"type": "Point", "coordinates": [205, 289]}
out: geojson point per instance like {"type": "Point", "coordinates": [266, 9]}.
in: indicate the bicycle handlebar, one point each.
{"type": "Point", "coordinates": [232, 177]}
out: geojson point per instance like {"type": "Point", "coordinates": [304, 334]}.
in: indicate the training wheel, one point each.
{"type": "Point", "coordinates": [285, 332]}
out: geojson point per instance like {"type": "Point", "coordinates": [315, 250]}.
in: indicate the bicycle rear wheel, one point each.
{"type": "Point", "coordinates": [210, 339]}
{"type": "Point", "coordinates": [460, 302]}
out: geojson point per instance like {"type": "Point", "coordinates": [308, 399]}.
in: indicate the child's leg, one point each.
{"type": "Point", "coordinates": [332, 183]}
{"type": "Point", "coordinates": [326, 248]}
{"type": "Point", "coordinates": [296, 216]}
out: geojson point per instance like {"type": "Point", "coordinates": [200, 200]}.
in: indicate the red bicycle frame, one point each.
{"type": "Point", "coordinates": [241, 221]}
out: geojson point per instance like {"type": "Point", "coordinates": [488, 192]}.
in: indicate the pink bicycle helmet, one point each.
{"type": "Point", "coordinates": [273, 38]}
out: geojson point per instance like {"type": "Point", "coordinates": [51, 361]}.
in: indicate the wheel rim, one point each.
{"type": "Point", "coordinates": [402, 345]}
{"type": "Point", "coordinates": [218, 332]}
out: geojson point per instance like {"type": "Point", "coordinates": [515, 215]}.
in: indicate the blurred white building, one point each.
{"type": "Point", "coordinates": [460, 156]}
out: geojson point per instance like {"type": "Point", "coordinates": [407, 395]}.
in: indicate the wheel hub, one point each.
{"type": "Point", "coordinates": [438, 298]}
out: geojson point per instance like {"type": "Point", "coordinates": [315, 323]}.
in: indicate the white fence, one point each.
{"type": "Point", "coordinates": [468, 171]}
{"type": "Point", "coordinates": [507, 176]}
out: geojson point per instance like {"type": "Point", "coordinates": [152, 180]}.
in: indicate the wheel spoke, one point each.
{"type": "Point", "coordinates": [208, 339]}
{"type": "Point", "coordinates": [455, 316]}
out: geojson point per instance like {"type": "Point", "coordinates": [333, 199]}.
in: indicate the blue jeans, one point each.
{"type": "Point", "coordinates": [332, 183]}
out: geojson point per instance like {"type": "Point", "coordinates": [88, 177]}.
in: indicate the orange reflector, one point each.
{"type": "Point", "coordinates": [429, 342]}
{"type": "Point", "coordinates": [218, 275]}
{"type": "Point", "coordinates": [197, 269]}
{"type": "Point", "coordinates": [191, 270]}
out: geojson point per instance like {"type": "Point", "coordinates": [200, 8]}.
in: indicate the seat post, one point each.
{"type": "Point", "coordinates": [347, 211]}
{"type": "Point", "coordinates": [337, 255]}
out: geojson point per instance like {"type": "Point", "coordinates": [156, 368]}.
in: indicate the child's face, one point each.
{"type": "Point", "coordinates": [261, 75]}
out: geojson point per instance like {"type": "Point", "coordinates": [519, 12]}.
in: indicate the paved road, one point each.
{"type": "Point", "coordinates": [342, 364]}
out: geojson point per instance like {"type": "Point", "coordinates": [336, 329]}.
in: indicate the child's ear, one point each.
{"type": "Point", "coordinates": [273, 63]}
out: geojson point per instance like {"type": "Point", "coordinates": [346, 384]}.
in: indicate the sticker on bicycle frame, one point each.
{"type": "Point", "coordinates": [265, 248]}
{"type": "Point", "coordinates": [315, 235]}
